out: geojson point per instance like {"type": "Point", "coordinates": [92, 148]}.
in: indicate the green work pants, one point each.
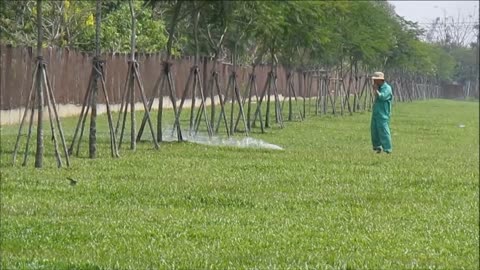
{"type": "Point", "coordinates": [381, 138]}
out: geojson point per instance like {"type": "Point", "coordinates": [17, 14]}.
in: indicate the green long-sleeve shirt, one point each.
{"type": "Point", "coordinates": [383, 102]}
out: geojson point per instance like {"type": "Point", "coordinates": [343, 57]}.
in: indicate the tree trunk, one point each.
{"type": "Point", "coordinates": [92, 139]}
{"type": "Point", "coordinates": [133, 32]}
{"type": "Point", "coordinates": [196, 17]}
{"type": "Point", "coordinates": [171, 29]}
{"type": "Point", "coordinates": [131, 87]}
{"type": "Point", "coordinates": [39, 153]}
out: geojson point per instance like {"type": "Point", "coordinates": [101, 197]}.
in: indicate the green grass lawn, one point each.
{"type": "Point", "coordinates": [325, 202]}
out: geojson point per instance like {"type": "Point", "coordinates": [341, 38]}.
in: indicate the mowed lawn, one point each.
{"type": "Point", "coordinates": [325, 202]}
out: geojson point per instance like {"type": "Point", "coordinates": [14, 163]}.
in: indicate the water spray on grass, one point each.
{"type": "Point", "coordinates": [245, 142]}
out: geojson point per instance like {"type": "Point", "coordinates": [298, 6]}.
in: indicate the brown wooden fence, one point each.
{"type": "Point", "coordinates": [69, 71]}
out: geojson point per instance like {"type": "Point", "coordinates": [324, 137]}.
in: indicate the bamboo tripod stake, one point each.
{"type": "Point", "coordinates": [133, 76]}
{"type": "Point", "coordinates": [232, 89]}
{"type": "Point", "coordinates": [270, 86]}
{"type": "Point", "coordinates": [252, 90]}
{"type": "Point", "coordinates": [90, 100]}
{"type": "Point", "coordinates": [195, 118]}
{"type": "Point", "coordinates": [214, 87]}
{"type": "Point", "coordinates": [291, 91]}
{"type": "Point", "coordinates": [41, 86]}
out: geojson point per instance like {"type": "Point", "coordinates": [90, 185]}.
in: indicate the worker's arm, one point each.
{"type": "Point", "coordinates": [385, 93]}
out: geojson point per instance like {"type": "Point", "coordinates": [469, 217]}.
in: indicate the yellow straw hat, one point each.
{"type": "Point", "coordinates": [378, 76]}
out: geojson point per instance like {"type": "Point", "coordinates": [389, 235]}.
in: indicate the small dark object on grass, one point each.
{"type": "Point", "coordinates": [73, 182]}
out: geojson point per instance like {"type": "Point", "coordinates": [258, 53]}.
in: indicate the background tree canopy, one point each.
{"type": "Point", "coordinates": [300, 34]}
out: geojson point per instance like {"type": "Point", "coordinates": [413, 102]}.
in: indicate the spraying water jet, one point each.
{"type": "Point", "coordinates": [243, 142]}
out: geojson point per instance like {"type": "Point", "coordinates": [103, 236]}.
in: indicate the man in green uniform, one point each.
{"type": "Point", "coordinates": [380, 129]}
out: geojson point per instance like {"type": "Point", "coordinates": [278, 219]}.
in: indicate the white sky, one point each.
{"type": "Point", "coordinates": [427, 11]}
